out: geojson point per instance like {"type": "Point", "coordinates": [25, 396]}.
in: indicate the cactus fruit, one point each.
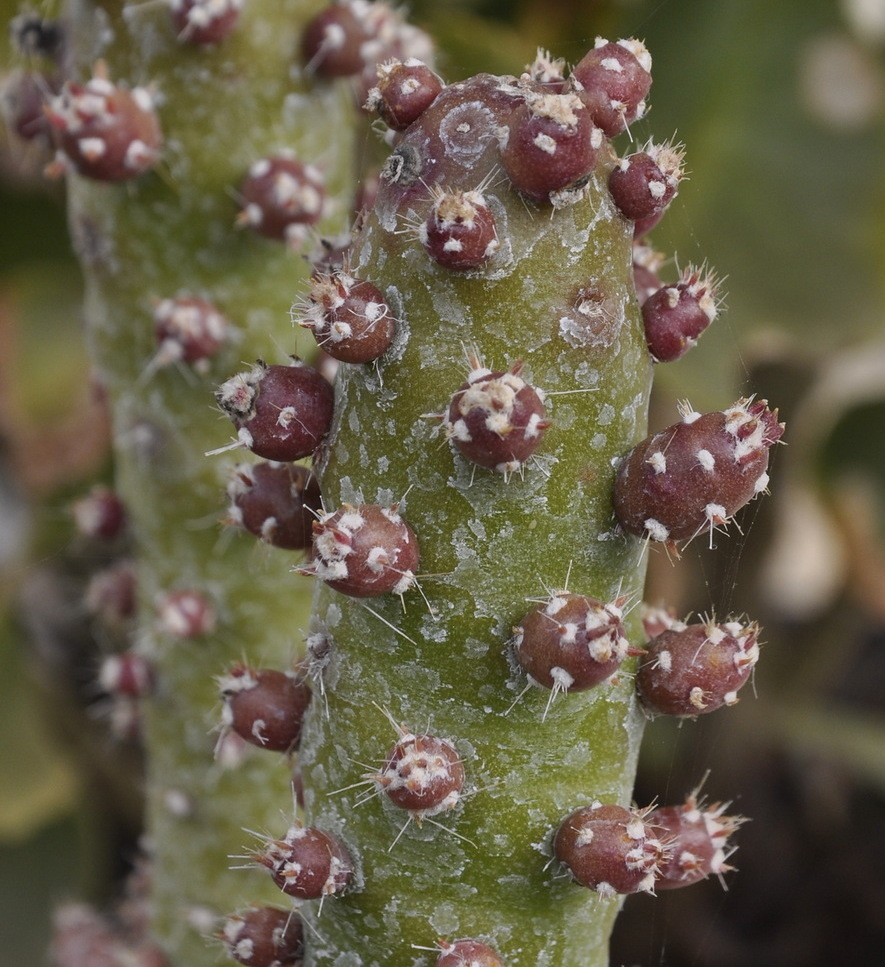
{"type": "Point", "coordinates": [494, 236]}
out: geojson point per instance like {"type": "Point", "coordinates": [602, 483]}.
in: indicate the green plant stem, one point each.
{"type": "Point", "coordinates": [437, 660]}
{"type": "Point", "coordinates": [168, 232]}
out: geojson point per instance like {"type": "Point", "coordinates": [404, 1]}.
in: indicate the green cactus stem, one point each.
{"type": "Point", "coordinates": [168, 231]}
{"type": "Point", "coordinates": [556, 295]}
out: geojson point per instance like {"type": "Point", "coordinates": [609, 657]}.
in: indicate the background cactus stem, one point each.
{"type": "Point", "coordinates": [167, 232]}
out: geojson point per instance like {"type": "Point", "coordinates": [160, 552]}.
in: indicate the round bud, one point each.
{"type": "Point", "coordinates": [643, 184]}
{"type": "Point", "coordinates": [613, 81]}
{"type": "Point", "coordinates": [403, 93]}
{"type": "Point", "coordinates": [265, 706]}
{"type": "Point", "coordinates": [693, 669]}
{"type": "Point", "coordinates": [695, 475]}
{"type": "Point", "coordinates": [277, 502]}
{"type": "Point", "coordinates": [281, 197]}
{"type": "Point", "coordinates": [609, 849]}
{"type": "Point", "coordinates": [100, 515]}
{"type": "Point", "coordinates": [308, 863]}
{"type": "Point", "coordinates": [185, 614]}
{"type": "Point", "coordinates": [332, 43]}
{"type": "Point", "coordinates": [675, 315]}
{"type": "Point", "coordinates": [552, 144]}
{"type": "Point", "coordinates": [264, 937]}
{"type": "Point", "coordinates": [364, 550]}
{"type": "Point", "coordinates": [349, 318]}
{"type": "Point", "coordinates": [697, 842]}
{"type": "Point", "coordinates": [467, 953]}
{"type": "Point", "coordinates": [459, 232]}
{"type": "Point", "coordinates": [188, 329]}
{"type": "Point", "coordinates": [204, 23]}
{"type": "Point", "coordinates": [496, 419]}
{"type": "Point", "coordinates": [281, 412]}
{"type": "Point", "coordinates": [422, 774]}
{"type": "Point", "coordinates": [106, 132]}
{"type": "Point", "coordinates": [571, 642]}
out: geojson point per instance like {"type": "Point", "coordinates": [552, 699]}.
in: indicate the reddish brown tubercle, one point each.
{"type": "Point", "coordinates": [609, 849]}
{"type": "Point", "coordinates": [496, 419]}
{"type": "Point", "coordinates": [364, 550]}
{"type": "Point", "coordinates": [570, 642]}
{"type": "Point", "coordinates": [693, 669]}
{"type": "Point", "coordinates": [422, 774]}
{"type": "Point", "coordinates": [308, 863]}
{"type": "Point", "coordinates": [695, 475]}
{"type": "Point", "coordinates": [264, 937]}
{"type": "Point", "coordinates": [281, 413]}
{"type": "Point", "coordinates": [104, 131]}
{"type": "Point", "coordinates": [277, 502]}
{"type": "Point", "coordinates": [265, 706]}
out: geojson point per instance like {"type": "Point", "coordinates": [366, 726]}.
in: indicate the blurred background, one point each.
{"type": "Point", "coordinates": [780, 106]}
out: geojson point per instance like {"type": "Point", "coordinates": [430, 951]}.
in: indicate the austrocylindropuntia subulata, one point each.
{"type": "Point", "coordinates": [494, 236]}
{"type": "Point", "coordinates": [535, 482]}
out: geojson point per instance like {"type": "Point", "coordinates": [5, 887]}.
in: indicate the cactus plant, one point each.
{"type": "Point", "coordinates": [482, 469]}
